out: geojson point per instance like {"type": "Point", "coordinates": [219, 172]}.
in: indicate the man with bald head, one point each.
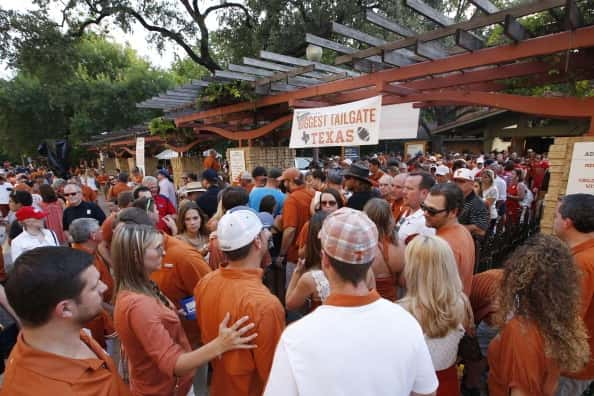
{"type": "Point", "coordinates": [398, 207]}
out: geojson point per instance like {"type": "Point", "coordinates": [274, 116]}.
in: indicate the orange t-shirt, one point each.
{"type": "Point", "coordinates": [374, 177]}
{"type": "Point", "coordinates": [116, 189]}
{"type": "Point", "coordinates": [517, 360]}
{"type": "Point", "coordinates": [102, 179]}
{"type": "Point", "coordinates": [484, 297]}
{"type": "Point", "coordinates": [210, 162]}
{"type": "Point", "coordinates": [296, 214]}
{"type": "Point", "coordinates": [31, 371]}
{"type": "Point", "coordinates": [462, 244]}
{"type": "Point", "coordinates": [302, 238]}
{"type": "Point", "coordinates": [239, 292]}
{"type": "Point", "coordinates": [153, 339]}
{"type": "Point", "coordinates": [107, 228]}
{"type": "Point", "coordinates": [88, 194]}
{"type": "Point", "coordinates": [181, 269]}
{"type": "Point", "coordinates": [583, 255]}
{"type": "Point", "coordinates": [398, 208]}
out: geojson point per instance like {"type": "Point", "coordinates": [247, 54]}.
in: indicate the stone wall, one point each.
{"type": "Point", "coordinates": [268, 157]}
{"type": "Point", "coordinates": [560, 154]}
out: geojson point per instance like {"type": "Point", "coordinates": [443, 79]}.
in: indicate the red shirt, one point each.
{"type": "Point", "coordinates": [165, 207]}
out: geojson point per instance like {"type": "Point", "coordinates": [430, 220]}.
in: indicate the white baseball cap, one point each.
{"type": "Point", "coordinates": [238, 229]}
{"type": "Point", "coordinates": [442, 170]}
{"type": "Point", "coordinates": [480, 160]}
{"type": "Point", "coordinates": [464, 174]}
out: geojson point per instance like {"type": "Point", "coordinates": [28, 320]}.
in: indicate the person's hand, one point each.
{"type": "Point", "coordinates": [300, 267]}
{"type": "Point", "coordinates": [170, 223]}
{"type": "Point", "coordinates": [232, 337]}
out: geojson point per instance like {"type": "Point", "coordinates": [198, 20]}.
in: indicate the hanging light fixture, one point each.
{"type": "Point", "coordinates": [313, 53]}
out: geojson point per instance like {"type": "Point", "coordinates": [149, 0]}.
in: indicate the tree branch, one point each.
{"type": "Point", "coordinates": [248, 18]}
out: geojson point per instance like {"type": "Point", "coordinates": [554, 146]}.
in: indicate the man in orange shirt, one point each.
{"type": "Point", "coordinates": [295, 214]}
{"type": "Point", "coordinates": [54, 290]}
{"type": "Point", "coordinates": [441, 208]}
{"type": "Point", "coordinates": [238, 289]}
{"type": "Point", "coordinates": [574, 224]}
{"type": "Point", "coordinates": [211, 161]}
{"type": "Point", "coordinates": [121, 185]}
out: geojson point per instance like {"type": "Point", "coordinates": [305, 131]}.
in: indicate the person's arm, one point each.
{"type": "Point", "coordinates": [299, 288]}
{"type": "Point", "coordinates": [474, 230]}
{"type": "Point", "coordinates": [517, 392]}
{"type": "Point", "coordinates": [6, 305]}
{"type": "Point", "coordinates": [229, 338]}
{"type": "Point", "coordinates": [288, 237]}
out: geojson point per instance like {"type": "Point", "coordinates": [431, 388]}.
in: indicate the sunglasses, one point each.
{"type": "Point", "coordinates": [328, 203]}
{"type": "Point", "coordinates": [70, 194]}
{"type": "Point", "coordinates": [432, 211]}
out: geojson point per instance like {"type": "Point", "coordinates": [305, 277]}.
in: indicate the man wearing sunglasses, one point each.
{"type": "Point", "coordinates": [441, 209]}
{"type": "Point", "coordinates": [77, 208]}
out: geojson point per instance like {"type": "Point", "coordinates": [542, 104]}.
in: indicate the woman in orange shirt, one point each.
{"type": "Point", "coordinates": [542, 331]}
{"type": "Point", "coordinates": [160, 359]}
{"type": "Point", "coordinates": [388, 264]}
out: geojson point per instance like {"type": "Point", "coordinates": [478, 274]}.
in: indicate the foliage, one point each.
{"type": "Point", "coordinates": [161, 126]}
{"type": "Point", "coordinates": [219, 94]}
{"type": "Point", "coordinates": [71, 87]}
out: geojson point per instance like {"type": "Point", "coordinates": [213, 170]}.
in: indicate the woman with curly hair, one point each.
{"type": "Point", "coordinates": [434, 296]}
{"type": "Point", "coordinates": [542, 332]}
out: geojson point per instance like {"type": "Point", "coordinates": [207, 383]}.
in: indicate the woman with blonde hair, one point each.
{"type": "Point", "coordinates": [542, 332]}
{"type": "Point", "coordinates": [388, 264]}
{"type": "Point", "coordinates": [435, 298]}
{"type": "Point", "coordinates": [160, 359]}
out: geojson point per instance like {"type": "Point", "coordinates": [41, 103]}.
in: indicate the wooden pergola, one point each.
{"type": "Point", "coordinates": [418, 69]}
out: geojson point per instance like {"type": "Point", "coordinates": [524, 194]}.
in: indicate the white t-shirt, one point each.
{"type": "Point", "coordinates": [5, 190]}
{"type": "Point", "coordinates": [501, 187]}
{"type": "Point", "coordinates": [26, 241]}
{"type": "Point", "coordinates": [414, 224]}
{"type": "Point", "coordinates": [492, 193]}
{"type": "Point", "coordinates": [375, 349]}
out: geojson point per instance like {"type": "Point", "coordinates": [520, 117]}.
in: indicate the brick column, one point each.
{"type": "Point", "coordinates": [560, 154]}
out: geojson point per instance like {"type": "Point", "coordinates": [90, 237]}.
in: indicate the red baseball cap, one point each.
{"type": "Point", "coordinates": [29, 212]}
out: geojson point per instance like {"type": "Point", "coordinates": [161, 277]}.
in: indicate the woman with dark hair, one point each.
{"type": "Point", "coordinates": [541, 329]}
{"type": "Point", "coordinates": [191, 227]}
{"type": "Point", "coordinates": [308, 281]}
{"type": "Point", "coordinates": [389, 263]}
{"type": "Point", "coordinates": [326, 201]}
{"type": "Point", "coordinates": [50, 205]}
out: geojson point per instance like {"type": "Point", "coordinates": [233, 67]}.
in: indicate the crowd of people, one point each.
{"type": "Point", "coordinates": [350, 277]}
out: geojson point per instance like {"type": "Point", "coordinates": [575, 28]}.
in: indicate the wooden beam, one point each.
{"type": "Point", "coordinates": [301, 104]}
{"type": "Point", "coordinates": [549, 44]}
{"type": "Point", "coordinates": [429, 12]}
{"type": "Point", "coordinates": [514, 30]}
{"type": "Point", "coordinates": [302, 62]}
{"type": "Point", "coordinates": [572, 18]}
{"type": "Point", "coordinates": [234, 75]}
{"type": "Point", "coordinates": [474, 23]}
{"type": "Point", "coordinates": [485, 6]}
{"type": "Point", "coordinates": [396, 89]}
{"type": "Point", "coordinates": [249, 70]}
{"type": "Point", "coordinates": [468, 41]}
{"type": "Point", "coordinates": [322, 42]}
{"type": "Point", "coordinates": [429, 51]}
{"type": "Point", "coordinates": [400, 57]}
{"type": "Point", "coordinates": [277, 67]}
{"type": "Point", "coordinates": [388, 24]}
{"type": "Point", "coordinates": [284, 75]}
{"type": "Point", "coordinates": [252, 134]}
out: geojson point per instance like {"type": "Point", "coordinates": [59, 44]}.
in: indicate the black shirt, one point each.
{"type": "Point", "coordinates": [208, 201]}
{"type": "Point", "coordinates": [475, 212]}
{"type": "Point", "coordinates": [84, 209]}
{"type": "Point", "coordinates": [359, 199]}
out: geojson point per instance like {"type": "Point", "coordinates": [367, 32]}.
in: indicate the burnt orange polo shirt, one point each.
{"type": "Point", "coordinates": [462, 244]}
{"type": "Point", "coordinates": [153, 339]}
{"type": "Point", "coordinates": [302, 238]}
{"type": "Point", "coordinates": [350, 300]}
{"type": "Point", "coordinates": [116, 189]}
{"type": "Point", "coordinates": [181, 269]}
{"type": "Point", "coordinates": [107, 228]}
{"type": "Point", "coordinates": [296, 214]}
{"type": "Point", "coordinates": [239, 292]}
{"type": "Point", "coordinates": [517, 360]}
{"type": "Point", "coordinates": [583, 255]}
{"type": "Point", "coordinates": [30, 371]}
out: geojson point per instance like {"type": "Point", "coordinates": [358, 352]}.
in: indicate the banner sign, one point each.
{"type": "Point", "coordinates": [581, 173]}
{"type": "Point", "coordinates": [349, 124]}
{"type": "Point", "coordinates": [140, 154]}
{"type": "Point", "coordinates": [352, 152]}
{"type": "Point", "coordinates": [399, 121]}
{"type": "Point", "coordinates": [236, 163]}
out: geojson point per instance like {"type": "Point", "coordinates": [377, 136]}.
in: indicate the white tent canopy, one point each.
{"type": "Point", "coordinates": [167, 154]}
